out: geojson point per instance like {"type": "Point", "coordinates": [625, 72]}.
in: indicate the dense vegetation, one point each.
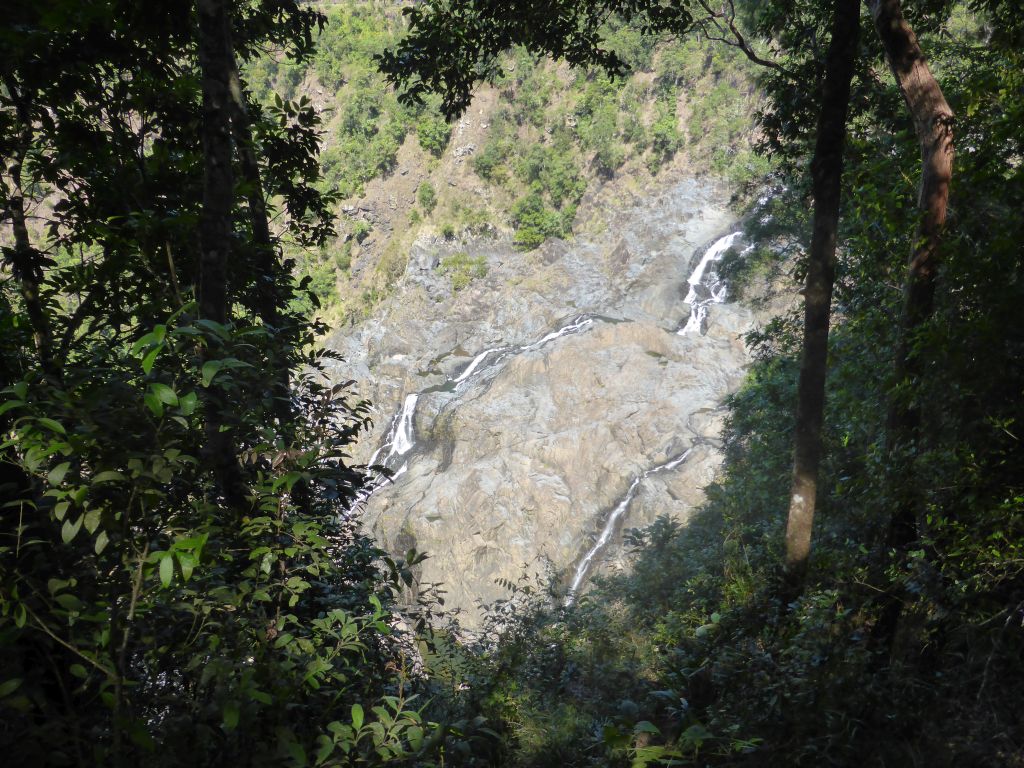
{"type": "Point", "coordinates": [181, 578]}
{"type": "Point", "coordinates": [897, 647]}
{"type": "Point", "coordinates": [551, 135]}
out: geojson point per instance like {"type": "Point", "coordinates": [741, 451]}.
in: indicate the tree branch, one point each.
{"type": "Point", "coordinates": [736, 39]}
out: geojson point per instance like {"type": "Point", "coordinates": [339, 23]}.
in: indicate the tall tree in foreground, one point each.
{"type": "Point", "coordinates": [933, 125]}
{"type": "Point", "coordinates": [151, 610]}
{"type": "Point", "coordinates": [826, 178]}
{"type": "Point", "coordinates": [216, 64]}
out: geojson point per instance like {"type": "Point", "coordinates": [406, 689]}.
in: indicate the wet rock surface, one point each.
{"type": "Point", "coordinates": [545, 389]}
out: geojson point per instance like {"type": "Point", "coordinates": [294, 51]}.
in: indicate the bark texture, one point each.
{"type": "Point", "coordinates": [26, 262]}
{"type": "Point", "coordinates": [216, 62]}
{"type": "Point", "coordinates": [933, 125]}
{"type": "Point", "coordinates": [826, 171]}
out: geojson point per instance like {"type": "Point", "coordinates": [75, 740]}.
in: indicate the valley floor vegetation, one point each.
{"type": "Point", "coordinates": [183, 579]}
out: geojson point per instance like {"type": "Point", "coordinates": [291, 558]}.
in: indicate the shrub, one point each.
{"type": "Point", "coordinates": [665, 136]}
{"type": "Point", "coordinates": [426, 196]}
{"type": "Point", "coordinates": [462, 269]}
{"type": "Point", "coordinates": [433, 133]}
{"type": "Point", "coordinates": [534, 221]}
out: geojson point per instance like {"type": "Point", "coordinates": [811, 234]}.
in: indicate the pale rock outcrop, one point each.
{"type": "Point", "coordinates": [524, 457]}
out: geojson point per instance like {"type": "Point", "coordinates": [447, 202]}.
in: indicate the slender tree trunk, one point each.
{"type": "Point", "coordinates": [215, 225]}
{"type": "Point", "coordinates": [26, 261]}
{"type": "Point", "coordinates": [266, 265]}
{"type": "Point", "coordinates": [218, 181]}
{"type": "Point", "coordinates": [826, 171]}
{"type": "Point", "coordinates": [933, 124]}
{"type": "Point", "coordinates": [268, 293]}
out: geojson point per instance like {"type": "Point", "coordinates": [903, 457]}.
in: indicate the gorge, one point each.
{"type": "Point", "coordinates": [570, 393]}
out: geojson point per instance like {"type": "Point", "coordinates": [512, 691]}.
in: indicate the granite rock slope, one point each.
{"type": "Point", "coordinates": [518, 411]}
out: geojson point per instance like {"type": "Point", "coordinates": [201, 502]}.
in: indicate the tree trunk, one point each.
{"type": "Point", "coordinates": [218, 182]}
{"type": "Point", "coordinates": [266, 268]}
{"type": "Point", "coordinates": [26, 261]}
{"type": "Point", "coordinates": [933, 124]}
{"type": "Point", "coordinates": [215, 226]}
{"type": "Point", "coordinates": [266, 253]}
{"type": "Point", "coordinates": [826, 171]}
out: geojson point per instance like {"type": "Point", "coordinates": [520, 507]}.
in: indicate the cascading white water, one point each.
{"type": "Point", "coordinates": [716, 293]}
{"type": "Point", "coordinates": [612, 523]}
{"type": "Point", "coordinates": [400, 441]}
{"type": "Point", "coordinates": [473, 365]}
{"type": "Point", "coordinates": [401, 437]}
{"type": "Point", "coordinates": [575, 326]}
{"type": "Point", "coordinates": [403, 441]}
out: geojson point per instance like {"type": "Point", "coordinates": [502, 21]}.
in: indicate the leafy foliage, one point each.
{"type": "Point", "coordinates": [144, 616]}
{"type": "Point", "coordinates": [693, 656]}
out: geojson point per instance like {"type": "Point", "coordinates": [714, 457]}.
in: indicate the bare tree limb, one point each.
{"type": "Point", "coordinates": [729, 34]}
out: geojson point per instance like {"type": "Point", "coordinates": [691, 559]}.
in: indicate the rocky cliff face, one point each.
{"type": "Point", "coordinates": [524, 412]}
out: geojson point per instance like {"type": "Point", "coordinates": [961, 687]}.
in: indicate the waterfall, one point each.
{"type": "Point", "coordinates": [575, 326]}
{"type": "Point", "coordinates": [612, 523]}
{"type": "Point", "coordinates": [404, 433]}
{"type": "Point", "coordinates": [400, 441]}
{"type": "Point", "coordinates": [401, 437]}
{"type": "Point", "coordinates": [476, 361]}
{"type": "Point", "coordinates": [715, 293]}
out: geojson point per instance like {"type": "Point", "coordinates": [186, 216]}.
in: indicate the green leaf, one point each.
{"type": "Point", "coordinates": [187, 563]}
{"type": "Point", "coordinates": [10, 686]}
{"type": "Point", "coordinates": [645, 726]}
{"type": "Point", "coordinates": [210, 369]}
{"type": "Point", "coordinates": [188, 403]}
{"type": "Point", "coordinates": [325, 750]}
{"type": "Point", "coordinates": [297, 752]}
{"type": "Point", "coordinates": [57, 473]}
{"type": "Point", "coordinates": [10, 404]}
{"type": "Point", "coordinates": [140, 736]}
{"type": "Point", "coordinates": [92, 520]}
{"type": "Point", "coordinates": [165, 393]}
{"type": "Point", "coordinates": [153, 403]}
{"type": "Point", "coordinates": [68, 602]}
{"type": "Point", "coordinates": [54, 426]}
{"type": "Point", "coordinates": [150, 358]}
{"type": "Point", "coordinates": [695, 734]}
{"type": "Point", "coordinates": [107, 476]}
{"type": "Point", "coordinates": [231, 714]}
{"type": "Point", "coordinates": [101, 542]}
{"type": "Point", "coordinates": [415, 734]}
{"type": "Point", "coordinates": [357, 716]}
{"type": "Point", "coordinates": [61, 509]}
{"type": "Point", "coordinates": [70, 530]}
{"type": "Point", "coordinates": [217, 328]}
{"type": "Point", "coordinates": [79, 671]}
{"type": "Point", "coordinates": [167, 571]}
{"type": "Point", "coordinates": [261, 696]}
